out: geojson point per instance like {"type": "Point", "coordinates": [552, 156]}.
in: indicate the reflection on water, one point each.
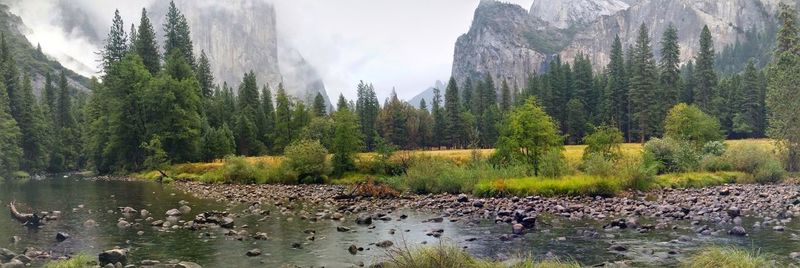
{"type": "Point", "coordinates": [583, 241]}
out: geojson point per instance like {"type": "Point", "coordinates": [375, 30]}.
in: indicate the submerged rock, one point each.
{"type": "Point", "coordinates": [253, 252]}
{"type": "Point", "coordinates": [61, 236]}
{"type": "Point", "coordinates": [113, 256]}
{"type": "Point", "coordinates": [384, 244]}
{"type": "Point", "coordinates": [738, 231]}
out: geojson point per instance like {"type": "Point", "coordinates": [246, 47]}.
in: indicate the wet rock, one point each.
{"type": "Point", "coordinates": [297, 245]}
{"type": "Point", "coordinates": [505, 237]}
{"type": "Point", "coordinates": [435, 232]}
{"type": "Point", "coordinates": [337, 216]}
{"type": "Point", "coordinates": [227, 222]}
{"type": "Point", "coordinates": [384, 244]}
{"type": "Point", "coordinates": [61, 236]}
{"type": "Point", "coordinates": [253, 252]}
{"type": "Point", "coordinates": [150, 262]}
{"type": "Point", "coordinates": [778, 228]}
{"type": "Point", "coordinates": [157, 223]}
{"type": "Point", "coordinates": [794, 255]}
{"type": "Point", "coordinates": [734, 212]}
{"type": "Point", "coordinates": [738, 231]}
{"type": "Point", "coordinates": [364, 220]}
{"type": "Point", "coordinates": [518, 229]}
{"type": "Point", "coordinates": [260, 236]}
{"type": "Point", "coordinates": [15, 239]}
{"type": "Point", "coordinates": [22, 258]}
{"type": "Point", "coordinates": [6, 255]}
{"type": "Point", "coordinates": [618, 247]}
{"type": "Point", "coordinates": [342, 229]}
{"type": "Point", "coordinates": [529, 222]}
{"type": "Point", "coordinates": [185, 209]}
{"type": "Point", "coordinates": [462, 198]}
{"type": "Point", "coordinates": [13, 264]}
{"type": "Point", "coordinates": [478, 203]}
{"type": "Point", "coordinates": [123, 224]}
{"type": "Point", "coordinates": [113, 256]}
{"type": "Point", "coordinates": [353, 249]}
{"type": "Point", "coordinates": [127, 210]}
{"type": "Point", "coordinates": [173, 212]}
{"type": "Point", "coordinates": [144, 213]}
{"type": "Point", "coordinates": [724, 192]}
{"type": "Point", "coordinates": [437, 219]}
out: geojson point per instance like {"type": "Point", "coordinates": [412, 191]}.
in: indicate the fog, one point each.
{"type": "Point", "coordinates": [406, 45]}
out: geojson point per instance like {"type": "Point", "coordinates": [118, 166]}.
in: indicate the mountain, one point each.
{"type": "Point", "coordinates": [30, 59]}
{"type": "Point", "coordinates": [427, 95]}
{"type": "Point", "coordinates": [240, 36]}
{"type": "Point", "coordinates": [509, 43]}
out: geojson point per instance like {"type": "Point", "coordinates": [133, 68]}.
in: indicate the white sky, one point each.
{"type": "Point", "coordinates": [406, 44]}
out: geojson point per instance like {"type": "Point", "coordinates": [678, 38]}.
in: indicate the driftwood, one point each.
{"type": "Point", "coordinates": [27, 219]}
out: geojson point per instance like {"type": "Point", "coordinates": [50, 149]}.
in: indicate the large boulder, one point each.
{"type": "Point", "coordinates": [113, 256]}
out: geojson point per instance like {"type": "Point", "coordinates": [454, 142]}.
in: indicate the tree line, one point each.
{"type": "Point", "coordinates": [156, 104]}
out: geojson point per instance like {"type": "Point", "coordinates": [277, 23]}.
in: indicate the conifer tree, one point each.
{"type": "Point", "coordinates": [145, 44]}
{"type": "Point", "coordinates": [269, 117]}
{"type": "Point", "coordinates": [616, 92]}
{"type": "Point", "coordinates": [439, 119]}
{"type": "Point", "coordinates": [177, 35]}
{"type": "Point", "coordinates": [783, 92]}
{"type": "Point", "coordinates": [505, 97]}
{"type": "Point", "coordinates": [319, 105]}
{"type": "Point", "coordinates": [643, 86]}
{"type": "Point", "coordinates": [705, 76]}
{"type": "Point", "coordinates": [10, 152]}
{"type": "Point", "coordinates": [283, 120]}
{"type": "Point", "coordinates": [116, 43]}
{"type": "Point", "coordinates": [454, 127]}
{"type": "Point", "coordinates": [204, 75]}
{"type": "Point", "coordinates": [367, 108]}
{"type": "Point", "coordinates": [466, 94]}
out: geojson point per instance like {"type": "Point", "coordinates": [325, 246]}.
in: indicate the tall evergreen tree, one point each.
{"type": "Point", "coordinates": [269, 118]}
{"type": "Point", "coordinates": [466, 94]}
{"type": "Point", "coordinates": [341, 103]}
{"type": "Point", "coordinates": [177, 35]}
{"type": "Point", "coordinates": [505, 97]}
{"type": "Point", "coordinates": [783, 92]}
{"type": "Point", "coordinates": [283, 120]}
{"type": "Point", "coordinates": [748, 118]}
{"type": "Point", "coordinates": [319, 105]}
{"type": "Point", "coordinates": [439, 119]}
{"type": "Point", "coordinates": [116, 43]}
{"type": "Point", "coordinates": [452, 104]}
{"type": "Point", "coordinates": [145, 44]}
{"type": "Point", "coordinates": [49, 97]}
{"type": "Point", "coordinates": [616, 92]}
{"type": "Point", "coordinates": [346, 140]}
{"type": "Point", "coordinates": [204, 74]}
{"type": "Point", "coordinates": [643, 86]}
{"type": "Point", "coordinates": [705, 76]}
{"type": "Point", "coordinates": [368, 108]}
{"type": "Point", "coordinates": [10, 152]}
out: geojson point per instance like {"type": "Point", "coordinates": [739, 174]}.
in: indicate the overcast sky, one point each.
{"type": "Point", "coordinates": [407, 44]}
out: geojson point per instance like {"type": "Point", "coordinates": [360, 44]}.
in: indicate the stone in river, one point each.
{"type": "Point", "coordinates": [173, 212]}
{"type": "Point", "coordinates": [384, 244]}
{"type": "Point", "coordinates": [113, 256]}
{"type": "Point", "coordinates": [618, 248]}
{"type": "Point", "coordinates": [353, 249]}
{"type": "Point", "coordinates": [342, 229]}
{"type": "Point", "coordinates": [518, 229]}
{"type": "Point", "coordinates": [253, 252]}
{"type": "Point", "coordinates": [61, 236]}
{"type": "Point", "coordinates": [738, 231]}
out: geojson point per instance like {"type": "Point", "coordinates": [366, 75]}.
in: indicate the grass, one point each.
{"type": "Point", "coordinates": [77, 261]}
{"type": "Point", "coordinates": [447, 256]}
{"type": "Point", "coordinates": [700, 179]}
{"type": "Point", "coordinates": [714, 257]}
{"type": "Point", "coordinates": [576, 185]}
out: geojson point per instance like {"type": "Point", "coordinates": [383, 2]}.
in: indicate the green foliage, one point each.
{"type": "Point", "coordinates": [726, 257]}
{"type": "Point", "coordinates": [528, 136]}
{"type": "Point", "coordinates": [705, 76]}
{"type": "Point", "coordinates": [346, 141]}
{"type": "Point", "coordinates": [10, 152]}
{"type": "Point", "coordinates": [689, 123]}
{"type": "Point", "coordinates": [758, 161]}
{"type": "Point", "coordinates": [309, 160]}
{"type": "Point", "coordinates": [554, 164]}
{"type": "Point", "coordinates": [579, 185]}
{"type": "Point", "coordinates": [177, 35]}
{"type": "Point", "coordinates": [604, 141]}
{"type": "Point", "coordinates": [698, 179]}
{"type": "Point", "coordinates": [672, 155]}
{"type": "Point", "coordinates": [77, 261]}
{"type": "Point", "coordinates": [642, 87]}
{"type": "Point", "coordinates": [714, 148]}
{"type": "Point", "coordinates": [596, 165]}
{"type": "Point", "coordinates": [218, 143]}
{"type": "Point", "coordinates": [156, 158]}
{"type": "Point", "coordinates": [448, 256]}
{"type": "Point", "coordinates": [437, 175]}
{"type": "Point", "coordinates": [145, 44]}
{"type": "Point", "coordinates": [368, 108]}
{"type": "Point", "coordinates": [783, 92]}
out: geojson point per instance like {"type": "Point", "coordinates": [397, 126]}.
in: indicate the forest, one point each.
{"type": "Point", "coordinates": [151, 108]}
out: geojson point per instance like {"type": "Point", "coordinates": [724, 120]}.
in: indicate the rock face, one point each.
{"type": "Point", "coordinates": [240, 36]}
{"type": "Point", "coordinates": [509, 43]}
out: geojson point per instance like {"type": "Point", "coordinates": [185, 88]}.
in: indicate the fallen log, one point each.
{"type": "Point", "coordinates": [27, 219]}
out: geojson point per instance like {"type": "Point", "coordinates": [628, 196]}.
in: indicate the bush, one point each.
{"type": "Point", "coordinates": [309, 160]}
{"type": "Point", "coordinates": [604, 141]}
{"type": "Point", "coordinates": [715, 148]}
{"type": "Point", "coordinates": [748, 157]}
{"type": "Point", "coordinates": [672, 155]}
{"type": "Point", "coordinates": [428, 174]}
{"type": "Point", "coordinates": [713, 163]}
{"type": "Point", "coordinates": [638, 173]}
{"type": "Point", "coordinates": [597, 165]}
{"type": "Point", "coordinates": [770, 171]}
{"type": "Point", "coordinates": [554, 164]}
{"type": "Point", "coordinates": [237, 170]}
{"type": "Point", "coordinates": [689, 123]}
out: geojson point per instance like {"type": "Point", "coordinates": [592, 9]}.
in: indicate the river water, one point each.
{"type": "Point", "coordinates": [81, 199]}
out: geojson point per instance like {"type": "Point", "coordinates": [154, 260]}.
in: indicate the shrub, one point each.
{"type": "Point", "coordinates": [554, 164]}
{"type": "Point", "coordinates": [748, 157]}
{"type": "Point", "coordinates": [689, 123]}
{"type": "Point", "coordinates": [597, 165]}
{"type": "Point", "coordinates": [238, 170]}
{"type": "Point", "coordinates": [672, 155]}
{"type": "Point", "coordinates": [434, 175]}
{"type": "Point", "coordinates": [309, 160]}
{"type": "Point", "coordinates": [579, 185]}
{"type": "Point", "coordinates": [604, 141]}
{"type": "Point", "coordinates": [713, 163]}
{"type": "Point", "coordinates": [638, 173]}
{"type": "Point", "coordinates": [770, 171]}
{"type": "Point", "coordinates": [77, 261]}
{"type": "Point", "coordinates": [715, 148]}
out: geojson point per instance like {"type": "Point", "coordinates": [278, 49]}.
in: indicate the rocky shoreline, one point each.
{"type": "Point", "coordinates": [711, 211]}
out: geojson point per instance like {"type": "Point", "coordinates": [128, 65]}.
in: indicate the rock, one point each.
{"type": "Point", "coordinates": [113, 256]}
{"type": "Point", "coordinates": [61, 236]}
{"type": "Point", "coordinates": [260, 236]}
{"type": "Point", "coordinates": [13, 264]}
{"type": "Point", "coordinates": [734, 212]}
{"type": "Point", "coordinates": [173, 212]}
{"type": "Point", "coordinates": [227, 222]}
{"type": "Point", "coordinates": [353, 249]}
{"type": "Point", "coordinates": [384, 244]}
{"type": "Point", "coordinates": [150, 262]}
{"type": "Point", "coordinates": [15, 239]}
{"type": "Point", "coordinates": [505, 237]}
{"type": "Point", "coordinates": [297, 245]}
{"type": "Point", "coordinates": [363, 220]}
{"type": "Point", "coordinates": [617, 247]}
{"type": "Point", "coordinates": [794, 255]}
{"type": "Point", "coordinates": [6, 255]}
{"type": "Point", "coordinates": [185, 209]}
{"type": "Point", "coordinates": [253, 252]}
{"type": "Point", "coordinates": [462, 198]}
{"type": "Point", "coordinates": [187, 264]}
{"type": "Point", "coordinates": [529, 222]}
{"type": "Point", "coordinates": [518, 229]}
{"type": "Point", "coordinates": [123, 224]}
{"type": "Point", "coordinates": [89, 223]}
{"type": "Point", "coordinates": [22, 258]}
{"type": "Point", "coordinates": [157, 223]}
{"type": "Point", "coordinates": [778, 228]}
{"type": "Point", "coordinates": [144, 213]}
{"type": "Point", "coordinates": [477, 203]}
{"type": "Point", "coordinates": [724, 192]}
{"type": "Point", "coordinates": [738, 231]}
{"type": "Point", "coordinates": [342, 229]}
{"type": "Point", "coordinates": [437, 219]}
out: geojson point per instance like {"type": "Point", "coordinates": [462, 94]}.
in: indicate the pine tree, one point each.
{"type": "Point", "coordinates": [687, 74]}
{"type": "Point", "coordinates": [269, 118]}
{"type": "Point", "coordinates": [283, 120]}
{"type": "Point", "coordinates": [342, 103]}
{"type": "Point", "coordinates": [452, 104]}
{"type": "Point", "coordinates": [319, 105]}
{"type": "Point", "coordinates": [583, 85]}
{"type": "Point", "coordinates": [466, 94]}
{"type": "Point", "coordinates": [145, 44]}
{"type": "Point", "coordinates": [393, 121]}
{"type": "Point", "coordinates": [748, 118]}
{"type": "Point", "coordinates": [49, 97]}
{"type": "Point", "coordinates": [576, 121]}
{"type": "Point", "coordinates": [705, 76]}
{"type": "Point", "coordinates": [204, 75]}
{"type": "Point", "coordinates": [616, 92]}
{"type": "Point", "coordinates": [425, 122]}
{"type": "Point", "coordinates": [367, 108]}
{"type": "Point", "coordinates": [643, 86]}
{"type": "Point", "coordinates": [177, 35]}
{"type": "Point", "coordinates": [346, 140]}
{"type": "Point", "coordinates": [783, 92]}
{"type": "Point", "coordinates": [505, 97]}
{"type": "Point", "coordinates": [64, 104]}
{"type": "Point", "coordinates": [787, 40]}
{"type": "Point", "coordinates": [132, 35]}
{"type": "Point", "coordinates": [10, 152]}
{"type": "Point", "coordinates": [439, 119]}
{"type": "Point", "coordinates": [669, 74]}
{"type": "Point", "coordinates": [116, 43]}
